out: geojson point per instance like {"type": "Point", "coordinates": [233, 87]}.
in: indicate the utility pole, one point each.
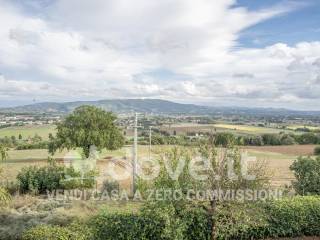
{"type": "Point", "coordinates": [135, 154]}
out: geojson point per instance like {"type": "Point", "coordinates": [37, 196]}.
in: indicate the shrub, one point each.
{"type": "Point", "coordinates": [179, 221]}
{"type": "Point", "coordinates": [240, 221]}
{"type": "Point", "coordinates": [257, 141]}
{"type": "Point", "coordinates": [317, 151]}
{"type": "Point", "coordinates": [153, 222]}
{"type": "Point", "coordinates": [47, 232]}
{"type": "Point", "coordinates": [271, 139]}
{"type": "Point", "coordinates": [224, 139]}
{"type": "Point", "coordinates": [286, 139]}
{"type": "Point", "coordinates": [37, 145]}
{"type": "Point", "coordinates": [40, 179]}
{"type": "Point", "coordinates": [293, 217]}
{"type": "Point", "coordinates": [125, 226]}
{"type": "Point", "coordinates": [48, 178]}
{"type": "Point", "coordinates": [289, 217]}
{"type": "Point", "coordinates": [308, 138]}
{"type": "Point", "coordinates": [307, 173]}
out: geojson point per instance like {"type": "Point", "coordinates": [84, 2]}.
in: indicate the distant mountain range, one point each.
{"type": "Point", "coordinates": [155, 106]}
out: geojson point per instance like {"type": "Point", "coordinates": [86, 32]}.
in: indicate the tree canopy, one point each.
{"type": "Point", "coordinates": [87, 126]}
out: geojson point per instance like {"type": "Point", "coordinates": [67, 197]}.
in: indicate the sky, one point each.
{"type": "Point", "coordinates": [245, 53]}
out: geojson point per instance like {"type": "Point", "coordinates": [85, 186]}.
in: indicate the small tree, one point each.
{"type": "Point", "coordinates": [85, 127]}
{"type": "Point", "coordinates": [224, 139]}
{"type": "Point", "coordinates": [271, 139]}
{"type": "Point", "coordinates": [219, 160]}
{"type": "Point", "coordinates": [307, 173]}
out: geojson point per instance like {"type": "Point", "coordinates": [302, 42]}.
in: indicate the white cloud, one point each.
{"type": "Point", "coordinates": [112, 48]}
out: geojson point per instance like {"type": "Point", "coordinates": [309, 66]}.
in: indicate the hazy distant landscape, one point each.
{"type": "Point", "coordinates": [154, 106]}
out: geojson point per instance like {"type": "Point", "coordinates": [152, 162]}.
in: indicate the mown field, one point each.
{"type": "Point", "coordinates": [294, 127]}
{"type": "Point", "coordinates": [28, 131]}
{"type": "Point", "coordinates": [277, 158]}
{"type": "Point", "coordinates": [222, 127]}
{"type": "Point", "coordinates": [44, 130]}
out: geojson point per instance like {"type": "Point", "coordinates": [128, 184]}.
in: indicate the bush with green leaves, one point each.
{"type": "Point", "coordinates": [293, 217]}
{"type": "Point", "coordinates": [288, 217]}
{"type": "Point", "coordinates": [180, 221]}
{"type": "Point", "coordinates": [271, 139]}
{"type": "Point", "coordinates": [37, 145]}
{"type": "Point", "coordinates": [224, 139]}
{"type": "Point", "coordinates": [287, 139]}
{"type": "Point", "coordinates": [74, 231]}
{"type": "Point", "coordinates": [308, 138]}
{"type": "Point", "coordinates": [125, 226]}
{"type": "Point", "coordinates": [240, 221]}
{"type": "Point", "coordinates": [39, 180]}
{"type": "Point", "coordinates": [153, 223]}
{"type": "Point", "coordinates": [307, 174]}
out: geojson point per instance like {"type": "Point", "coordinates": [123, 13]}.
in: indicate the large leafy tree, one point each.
{"type": "Point", "coordinates": [87, 126]}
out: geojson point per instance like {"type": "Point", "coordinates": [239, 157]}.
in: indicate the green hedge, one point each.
{"type": "Point", "coordinates": [289, 217]}
{"type": "Point", "coordinates": [74, 231]}
{"type": "Point", "coordinates": [46, 232]}
{"type": "Point", "coordinates": [298, 216]}
{"type": "Point", "coordinates": [307, 173]}
{"type": "Point", "coordinates": [294, 217]}
{"type": "Point", "coordinates": [125, 226]}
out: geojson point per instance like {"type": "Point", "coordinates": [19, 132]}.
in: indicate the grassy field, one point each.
{"type": "Point", "coordinates": [28, 131]}
{"type": "Point", "coordinates": [277, 158]}
{"type": "Point", "coordinates": [19, 159]}
{"type": "Point", "coordinates": [294, 127]}
{"type": "Point", "coordinates": [247, 128]}
{"type": "Point", "coordinates": [183, 128]}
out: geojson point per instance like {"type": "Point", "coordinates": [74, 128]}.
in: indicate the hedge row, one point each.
{"type": "Point", "coordinates": [75, 231]}
{"type": "Point", "coordinates": [292, 217]}
{"type": "Point", "coordinates": [280, 218]}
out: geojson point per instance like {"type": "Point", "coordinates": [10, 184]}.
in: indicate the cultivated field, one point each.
{"type": "Point", "coordinates": [294, 127]}
{"type": "Point", "coordinates": [28, 131]}
{"type": "Point", "coordinates": [185, 128]}
{"type": "Point", "coordinates": [277, 158]}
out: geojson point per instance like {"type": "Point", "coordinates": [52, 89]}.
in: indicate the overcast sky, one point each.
{"type": "Point", "coordinates": [215, 52]}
